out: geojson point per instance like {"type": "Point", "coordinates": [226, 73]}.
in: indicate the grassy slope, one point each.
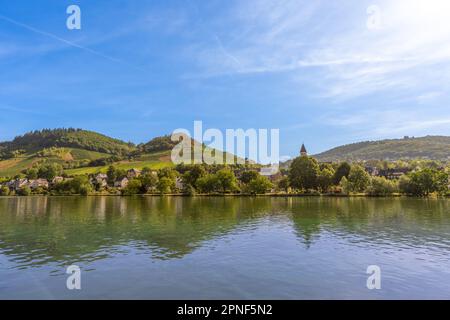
{"type": "Point", "coordinates": [155, 161]}
{"type": "Point", "coordinates": [37, 141]}
{"type": "Point", "coordinates": [14, 166]}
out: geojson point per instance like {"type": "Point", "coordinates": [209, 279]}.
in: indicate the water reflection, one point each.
{"type": "Point", "coordinates": [35, 231]}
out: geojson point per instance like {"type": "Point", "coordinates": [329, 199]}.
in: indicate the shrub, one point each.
{"type": "Point", "coordinates": [208, 183]}
{"type": "Point", "coordinates": [344, 185]}
{"type": "Point", "coordinates": [134, 187]}
{"type": "Point", "coordinates": [227, 180]}
{"type": "Point", "coordinates": [325, 179]}
{"type": "Point", "coordinates": [4, 191]}
{"type": "Point", "coordinates": [424, 182]}
{"type": "Point", "coordinates": [381, 186]}
{"type": "Point", "coordinates": [165, 185]}
{"type": "Point", "coordinates": [283, 184]}
{"type": "Point", "coordinates": [248, 176]}
{"type": "Point", "coordinates": [24, 191]}
{"type": "Point", "coordinates": [78, 185]}
{"type": "Point", "coordinates": [259, 185]}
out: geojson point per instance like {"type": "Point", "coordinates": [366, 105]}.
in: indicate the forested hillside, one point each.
{"type": "Point", "coordinates": [429, 147]}
{"type": "Point", "coordinates": [64, 138]}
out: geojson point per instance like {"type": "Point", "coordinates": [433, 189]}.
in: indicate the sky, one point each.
{"type": "Point", "coordinates": [325, 73]}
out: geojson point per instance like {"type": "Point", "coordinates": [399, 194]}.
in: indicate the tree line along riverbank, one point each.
{"type": "Point", "coordinates": [304, 176]}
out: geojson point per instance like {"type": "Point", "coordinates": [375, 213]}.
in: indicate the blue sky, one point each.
{"type": "Point", "coordinates": [313, 69]}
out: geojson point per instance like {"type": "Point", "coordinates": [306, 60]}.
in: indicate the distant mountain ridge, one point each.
{"type": "Point", "coordinates": [428, 147]}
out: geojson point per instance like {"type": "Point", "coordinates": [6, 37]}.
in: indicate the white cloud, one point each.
{"type": "Point", "coordinates": [350, 60]}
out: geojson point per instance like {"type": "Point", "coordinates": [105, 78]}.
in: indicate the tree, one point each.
{"type": "Point", "coordinates": [77, 185]}
{"type": "Point", "coordinates": [423, 182]}
{"type": "Point", "coordinates": [259, 185]}
{"type": "Point", "coordinates": [167, 173]}
{"type": "Point", "coordinates": [283, 184]}
{"type": "Point", "coordinates": [208, 183]}
{"type": "Point", "coordinates": [49, 171]}
{"type": "Point", "coordinates": [4, 191]}
{"type": "Point", "coordinates": [40, 190]}
{"type": "Point", "coordinates": [441, 181]}
{"type": "Point", "coordinates": [189, 190]}
{"type": "Point", "coordinates": [344, 185]}
{"type": "Point", "coordinates": [148, 181]}
{"type": "Point", "coordinates": [31, 173]}
{"type": "Point", "coordinates": [343, 170]}
{"type": "Point", "coordinates": [165, 185]}
{"type": "Point", "coordinates": [24, 191]}
{"type": "Point", "coordinates": [325, 179]}
{"type": "Point", "coordinates": [134, 187]}
{"type": "Point", "coordinates": [248, 176]}
{"type": "Point", "coordinates": [358, 179]}
{"type": "Point", "coordinates": [158, 144]}
{"type": "Point", "coordinates": [405, 186]}
{"type": "Point", "coordinates": [303, 173]}
{"type": "Point", "coordinates": [193, 173]}
{"type": "Point", "coordinates": [424, 179]}
{"type": "Point", "coordinates": [226, 180]}
{"type": "Point", "coordinates": [114, 174]}
{"type": "Point", "coordinates": [81, 185]}
{"type": "Point", "coordinates": [145, 171]}
{"type": "Point", "coordinates": [380, 186]}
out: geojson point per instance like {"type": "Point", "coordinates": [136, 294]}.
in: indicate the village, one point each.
{"type": "Point", "coordinates": [304, 175]}
{"type": "Point", "coordinates": [99, 181]}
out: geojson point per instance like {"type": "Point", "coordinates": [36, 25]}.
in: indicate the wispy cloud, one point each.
{"type": "Point", "coordinates": [350, 59]}
{"type": "Point", "coordinates": [373, 123]}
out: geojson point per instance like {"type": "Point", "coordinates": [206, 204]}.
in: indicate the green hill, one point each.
{"type": "Point", "coordinates": [64, 156]}
{"type": "Point", "coordinates": [81, 152]}
{"type": "Point", "coordinates": [64, 138]}
{"type": "Point", "coordinates": [429, 147]}
{"type": "Point", "coordinates": [71, 148]}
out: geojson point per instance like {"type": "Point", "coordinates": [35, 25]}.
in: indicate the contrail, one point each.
{"type": "Point", "coordinates": [70, 43]}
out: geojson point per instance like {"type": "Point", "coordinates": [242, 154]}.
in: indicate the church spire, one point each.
{"type": "Point", "coordinates": [303, 151]}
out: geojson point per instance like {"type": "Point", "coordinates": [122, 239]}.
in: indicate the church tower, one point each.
{"type": "Point", "coordinates": [303, 151]}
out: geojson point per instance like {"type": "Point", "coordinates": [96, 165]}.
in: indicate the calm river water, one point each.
{"type": "Point", "coordinates": [224, 247]}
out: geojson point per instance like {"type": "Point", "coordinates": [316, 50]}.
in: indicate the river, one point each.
{"type": "Point", "coordinates": [224, 247]}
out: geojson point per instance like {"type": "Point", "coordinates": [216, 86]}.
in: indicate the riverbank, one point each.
{"type": "Point", "coordinates": [274, 195]}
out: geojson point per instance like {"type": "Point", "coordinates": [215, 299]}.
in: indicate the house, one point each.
{"type": "Point", "coordinates": [101, 180]}
{"type": "Point", "coordinates": [121, 183]}
{"type": "Point", "coordinates": [179, 183]}
{"type": "Point", "coordinates": [19, 183]}
{"type": "Point", "coordinates": [393, 174]}
{"type": "Point", "coordinates": [10, 184]}
{"type": "Point", "coordinates": [57, 180]}
{"type": "Point", "coordinates": [373, 171]}
{"type": "Point", "coordinates": [133, 173]}
{"type": "Point", "coordinates": [101, 176]}
{"type": "Point", "coordinates": [38, 183]}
